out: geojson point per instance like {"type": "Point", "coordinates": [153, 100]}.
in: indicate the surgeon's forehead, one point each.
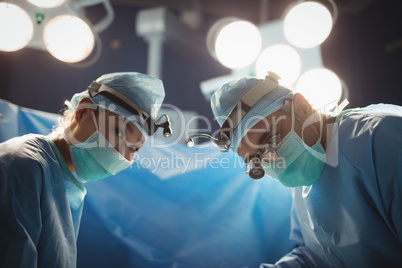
{"type": "Point", "coordinates": [125, 123]}
{"type": "Point", "coordinates": [132, 132]}
{"type": "Point", "coordinates": [267, 124]}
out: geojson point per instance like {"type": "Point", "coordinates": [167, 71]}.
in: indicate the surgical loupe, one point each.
{"type": "Point", "coordinates": [268, 154]}
{"type": "Point", "coordinates": [146, 121]}
{"type": "Point", "coordinates": [233, 120]}
{"type": "Point", "coordinates": [256, 170]}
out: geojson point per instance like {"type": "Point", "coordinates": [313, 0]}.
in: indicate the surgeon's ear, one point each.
{"type": "Point", "coordinates": [82, 109]}
{"type": "Point", "coordinates": [302, 107]}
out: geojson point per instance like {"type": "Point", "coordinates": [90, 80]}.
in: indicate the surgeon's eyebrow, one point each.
{"type": "Point", "coordinates": [265, 136]}
{"type": "Point", "coordinates": [124, 122]}
{"type": "Point", "coordinates": [131, 128]}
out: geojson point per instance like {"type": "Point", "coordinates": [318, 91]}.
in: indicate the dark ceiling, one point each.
{"type": "Point", "coordinates": [247, 9]}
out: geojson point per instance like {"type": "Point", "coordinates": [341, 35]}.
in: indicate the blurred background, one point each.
{"type": "Point", "coordinates": [364, 49]}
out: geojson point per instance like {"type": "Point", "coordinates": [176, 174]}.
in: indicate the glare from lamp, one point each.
{"type": "Point", "coordinates": [47, 3]}
{"type": "Point", "coordinates": [282, 60]}
{"type": "Point", "coordinates": [68, 38]}
{"type": "Point", "coordinates": [321, 87]}
{"type": "Point", "coordinates": [16, 28]}
{"type": "Point", "coordinates": [307, 24]}
{"type": "Point", "coordinates": [238, 44]}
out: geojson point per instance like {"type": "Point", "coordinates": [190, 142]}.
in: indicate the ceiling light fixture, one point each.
{"type": "Point", "coordinates": [234, 43]}
{"type": "Point", "coordinates": [16, 28]}
{"type": "Point", "coordinates": [308, 24]}
{"type": "Point", "coordinates": [57, 26]}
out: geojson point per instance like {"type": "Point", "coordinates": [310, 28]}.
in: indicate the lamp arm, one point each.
{"type": "Point", "coordinates": [107, 20]}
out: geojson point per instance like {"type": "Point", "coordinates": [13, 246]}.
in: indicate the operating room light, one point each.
{"type": "Point", "coordinates": [282, 60]}
{"type": "Point", "coordinates": [16, 27]}
{"type": "Point", "coordinates": [321, 87]}
{"type": "Point", "coordinates": [47, 3]}
{"type": "Point", "coordinates": [307, 24]}
{"type": "Point", "coordinates": [68, 38]}
{"type": "Point", "coordinates": [237, 44]}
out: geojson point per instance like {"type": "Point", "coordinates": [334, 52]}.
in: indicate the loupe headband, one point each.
{"type": "Point", "coordinates": [146, 121]}
{"type": "Point", "coordinates": [239, 111]}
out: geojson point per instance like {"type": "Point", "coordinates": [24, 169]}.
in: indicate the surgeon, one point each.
{"type": "Point", "coordinates": [345, 171]}
{"type": "Point", "coordinates": [41, 177]}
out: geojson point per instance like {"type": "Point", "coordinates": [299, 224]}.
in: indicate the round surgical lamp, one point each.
{"type": "Point", "coordinates": [282, 60]}
{"type": "Point", "coordinates": [68, 38]}
{"type": "Point", "coordinates": [47, 3]}
{"type": "Point", "coordinates": [234, 43]}
{"type": "Point", "coordinates": [321, 87]}
{"type": "Point", "coordinates": [307, 24]}
{"type": "Point", "coordinates": [16, 28]}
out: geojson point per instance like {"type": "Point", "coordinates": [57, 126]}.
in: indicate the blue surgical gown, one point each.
{"type": "Point", "coordinates": [40, 205]}
{"type": "Point", "coordinates": [352, 215]}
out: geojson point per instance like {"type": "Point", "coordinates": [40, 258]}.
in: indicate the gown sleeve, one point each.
{"type": "Point", "coordinates": [387, 158]}
{"type": "Point", "coordinates": [300, 256]}
{"type": "Point", "coordinates": [20, 212]}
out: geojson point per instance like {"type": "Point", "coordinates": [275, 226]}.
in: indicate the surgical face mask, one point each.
{"type": "Point", "coordinates": [298, 164]}
{"type": "Point", "coordinates": [96, 158]}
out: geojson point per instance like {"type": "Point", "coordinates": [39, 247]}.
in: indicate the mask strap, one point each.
{"type": "Point", "coordinates": [65, 136]}
{"type": "Point", "coordinates": [94, 119]}
{"type": "Point", "coordinates": [321, 127]}
{"type": "Point", "coordinates": [293, 118]}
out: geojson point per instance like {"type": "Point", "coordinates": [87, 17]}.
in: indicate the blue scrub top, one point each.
{"type": "Point", "coordinates": [352, 215]}
{"type": "Point", "coordinates": [40, 205]}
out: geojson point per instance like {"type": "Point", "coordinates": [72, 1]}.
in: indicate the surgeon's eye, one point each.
{"type": "Point", "coordinates": [134, 149]}
{"type": "Point", "coordinates": [119, 133]}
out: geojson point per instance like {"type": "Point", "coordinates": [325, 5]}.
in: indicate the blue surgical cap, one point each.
{"type": "Point", "coordinates": [225, 98]}
{"type": "Point", "coordinates": [144, 90]}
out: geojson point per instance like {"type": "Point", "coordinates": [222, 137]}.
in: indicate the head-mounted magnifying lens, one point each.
{"type": "Point", "coordinates": [145, 120]}
{"type": "Point", "coordinates": [254, 169]}
{"type": "Point", "coordinates": [268, 154]}
{"type": "Point", "coordinates": [239, 111]}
